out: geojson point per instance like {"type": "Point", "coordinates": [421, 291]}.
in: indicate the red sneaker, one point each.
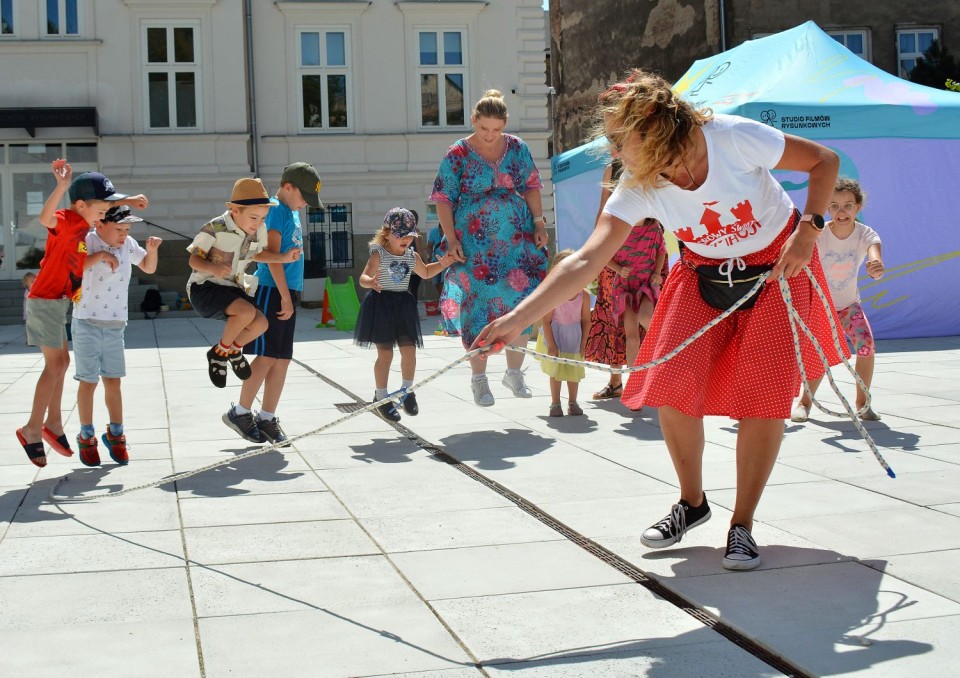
{"type": "Point", "coordinates": [88, 450]}
{"type": "Point", "coordinates": [117, 447]}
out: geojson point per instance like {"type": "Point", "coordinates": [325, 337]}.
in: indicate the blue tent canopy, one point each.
{"type": "Point", "coordinates": [899, 139]}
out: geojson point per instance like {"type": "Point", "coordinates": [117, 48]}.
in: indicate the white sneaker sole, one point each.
{"type": "Point", "coordinates": [741, 565]}
{"type": "Point", "coordinates": [662, 543]}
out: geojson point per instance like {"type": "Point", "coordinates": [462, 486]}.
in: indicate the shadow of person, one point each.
{"type": "Point", "coordinates": [829, 613]}
{"type": "Point", "coordinates": [385, 451]}
{"type": "Point", "coordinates": [31, 505]}
{"type": "Point", "coordinates": [641, 428]}
{"type": "Point", "coordinates": [570, 424]}
{"type": "Point", "coordinates": [492, 450]}
{"type": "Point", "coordinates": [882, 435]}
{"type": "Point", "coordinates": [224, 481]}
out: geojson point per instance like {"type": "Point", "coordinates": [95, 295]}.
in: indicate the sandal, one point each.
{"type": "Point", "coordinates": [35, 451]}
{"type": "Point", "coordinates": [217, 368]}
{"type": "Point", "coordinates": [609, 391]}
{"type": "Point", "coordinates": [574, 410]}
{"type": "Point", "coordinates": [240, 366]}
{"type": "Point", "coordinates": [556, 410]}
{"type": "Point", "coordinates": [58, 443]}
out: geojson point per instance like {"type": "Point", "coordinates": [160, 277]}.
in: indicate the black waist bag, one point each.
{"type": "Point", "coordinates": [715, 288]}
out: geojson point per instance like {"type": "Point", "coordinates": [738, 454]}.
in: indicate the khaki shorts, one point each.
{"type": "Point", "coordinates": [47, 322]}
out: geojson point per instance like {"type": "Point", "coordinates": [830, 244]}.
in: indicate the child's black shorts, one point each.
{"type": "Point", "coordinates": [277, 341]}
{"type": "Point", "coordinates": [211, 300]}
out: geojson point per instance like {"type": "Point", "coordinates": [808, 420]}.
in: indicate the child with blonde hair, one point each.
{"type": "Point", "coordinates": [563, 333]}
{"type": "Point", "coordinates": [388, 314]}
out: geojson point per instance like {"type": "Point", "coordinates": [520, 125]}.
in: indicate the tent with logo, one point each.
{"type": "Point", "coordinates": [899, 139]}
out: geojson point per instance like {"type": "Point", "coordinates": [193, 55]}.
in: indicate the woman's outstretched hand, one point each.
{"type": "Point", "coordinates": [497, 334]}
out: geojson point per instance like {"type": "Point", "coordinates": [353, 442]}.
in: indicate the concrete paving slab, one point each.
{"type": "Point", "coordinates": [250, 509]}
{"type": "Point", "coordinates": [933, 570]}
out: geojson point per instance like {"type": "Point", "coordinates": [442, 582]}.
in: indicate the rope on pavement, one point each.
{"type": "Point", "coordinates": [397, 396]}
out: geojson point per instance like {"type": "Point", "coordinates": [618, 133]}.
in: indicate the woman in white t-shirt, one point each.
{"type": "Point", "coordinates": [707, 179]}
{"type": "Point", "coordinates": [843, 247]}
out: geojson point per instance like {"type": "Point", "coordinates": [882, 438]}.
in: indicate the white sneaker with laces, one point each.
{"type": "Point", "coordinates": [514, 381]}
{"type": "Point", "coordinates": [481, 392]}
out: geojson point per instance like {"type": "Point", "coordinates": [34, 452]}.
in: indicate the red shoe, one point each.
{"type": "Point", "coordinates": [89, 455]}
{"type": "Point", "coordinates": [117, 447]}
{"type": "Point", "coordinates": [59, 443]}
{"type": "Point", "coordinates": [35, 451]}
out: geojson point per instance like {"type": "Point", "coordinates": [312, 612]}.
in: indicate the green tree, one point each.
{"type": "Point", "coordinates": [935, 67]}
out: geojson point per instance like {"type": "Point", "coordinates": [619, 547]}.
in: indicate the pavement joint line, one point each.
{"type": "Point", "coordinates": [625, 567]}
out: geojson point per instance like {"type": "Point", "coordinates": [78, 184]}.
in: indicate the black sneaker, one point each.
{"type": "Point", "coordinates": [217, 367]}
{"type": "Point", "coordinates": [240, 366]}
{"type": "Point", "coordinates": [244, 424]}
{"type": "Point", "coordinates": [410, 405]}
{"type": "Point", "coordinates": [742, 552]}
{"type": "Point", "coordinates": [271, 430]}
{"type": "Point", "coordinates": [388, 410]}
{"type": "Point", "coordinates": [670, 530]}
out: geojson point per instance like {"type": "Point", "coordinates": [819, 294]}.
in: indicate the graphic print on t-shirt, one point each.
{"type": "Point", "coordinates": [718, 233]}
{"type": "Point", "coordinates": [398, 270]}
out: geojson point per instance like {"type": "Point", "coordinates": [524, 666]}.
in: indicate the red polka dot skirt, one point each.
{"type": "Point", "coordinates": [744, 367]}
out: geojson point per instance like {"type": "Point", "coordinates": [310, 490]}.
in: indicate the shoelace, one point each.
{"type": "Point", "coordinates": [740, 542]}
{"type": "Point", "coordinates": [675, 523]}
{"type": "Point", "coordinates": [482, 386]}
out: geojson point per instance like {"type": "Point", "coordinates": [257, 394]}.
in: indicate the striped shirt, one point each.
{"type": "Point", "coordinates": [395, 271]}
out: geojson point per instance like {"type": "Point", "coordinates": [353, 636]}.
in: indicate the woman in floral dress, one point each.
{"type": "Point", "coordinates": [487, 193]}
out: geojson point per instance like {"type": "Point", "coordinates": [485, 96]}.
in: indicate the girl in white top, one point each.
{"type": "Point", "coordinates": [388, 314]}
{"type": "Point", "coordinates": [843, 247]}
{"type": "Point", "coordinates": [707, 179]}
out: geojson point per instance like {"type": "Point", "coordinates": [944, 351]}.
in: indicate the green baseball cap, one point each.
{"type": "Point", "coordinates": [305, 177]}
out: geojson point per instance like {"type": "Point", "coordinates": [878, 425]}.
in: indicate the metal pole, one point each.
{"type": "Point", "coordinates": [251, 90]}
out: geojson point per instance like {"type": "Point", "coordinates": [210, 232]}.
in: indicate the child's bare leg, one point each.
{"type": "Point", "coordinates": [113, 398]}
{"type": "Point", "coordinates": [864, 368]}
{"type": "Point", "coordinates": [408, 362]}
{"type": "Point", "coordinates": [381, 368]}
{"type": "Point", "coordinates": [645, 314]}
{"type": "Point", "coordinates": [85, 392]}
{"type": "Point", "coordinates": [273, 384]}
{"type": "Point", "coordinates": [48, 394]}
{"type": "Point", "coordinates": [573, 387]}
{"type": "Point", "coordinates": [631, 330]}
{"type": "Point", "coordinates": [253, 329]}
{"type": "Point", "coordinates": [554, 391]}
{"type": "Point", "coordinates": [240, 315]}
{"type": "Point", "coordinates": [259, 369]}
{"type": "Point", "coordinates": [805, 399]}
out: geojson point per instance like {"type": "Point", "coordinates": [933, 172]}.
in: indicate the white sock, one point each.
{"type": "Point", "coordinates": [478, 377]}
{"type": "Point", "coordinates": [266, 416]}
{"type": "Point", "coordinates": [513, 370]}
{"type": "Point", "coordinates": [406, 383]}
{"type": "Point", "coordinates": [240, 409]}
{"type": "Point", "coordinates": [380, 394]}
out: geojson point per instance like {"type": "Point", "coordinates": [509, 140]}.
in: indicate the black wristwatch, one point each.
{"type": "Point", "coordinates": [816, 220]}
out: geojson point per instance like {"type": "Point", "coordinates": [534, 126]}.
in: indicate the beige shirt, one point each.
{"type": "Point", "coordinates": [221, 241]}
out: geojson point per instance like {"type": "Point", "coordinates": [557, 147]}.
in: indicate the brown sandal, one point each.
{"type": "Point", "coordinates": [609, 391]}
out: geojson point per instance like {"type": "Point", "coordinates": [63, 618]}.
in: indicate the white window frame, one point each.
{"type": "Point", "coordinates": [441, 70]}
{"type": "Point", "coordinates": [325, 70]}
{"type": "Point", "coordinates": [915, 31]}
{"type": "Point", "coordinates": [842, 36]}
{"type": "Point", "coordinates": [61, 20]}
{"type": "Point", "coordinates": [12, 17]}
{"type": "Point", "coordinates": [171, 68]}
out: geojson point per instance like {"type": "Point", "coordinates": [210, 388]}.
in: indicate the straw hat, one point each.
{"type": "Point", "coordinates": [248, 192]}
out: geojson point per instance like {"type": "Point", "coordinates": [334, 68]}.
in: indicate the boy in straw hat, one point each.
{"type": "Point", "coordinates": [218, 287]}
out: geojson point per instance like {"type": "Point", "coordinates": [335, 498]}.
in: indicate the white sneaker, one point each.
{"type": "Point", "coordinates": [514, 381]}
{"type": "Point", "coordinates": [481, 392]}
{"type": "Point", "coordinates": [800, 414]}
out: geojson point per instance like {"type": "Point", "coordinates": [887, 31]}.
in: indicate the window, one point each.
{"type": "Point", "coordinates": [62, 17]}
{"type": "Point", "coordinates": [324, 77]}
{"type": "Point", "coordinates": [442, 69]}
{"type": "Point", "coordinates": [329, 239]}
{"type": "Point", "coordinates": [911, 44]}
{"type": "Point", "coordinates": [856, 41]}
{"type": "Point", "coordinates": [6, 17]}
{"type": "Point", "coordinates": [171, 77]}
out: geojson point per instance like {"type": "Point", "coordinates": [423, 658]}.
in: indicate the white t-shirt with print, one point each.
{"type": "Point", "coordinates": [841, 259]}
{"type": "Point", "coordinates": [104, 291]}
{"type": "Point", "coordinates": [739, 209]}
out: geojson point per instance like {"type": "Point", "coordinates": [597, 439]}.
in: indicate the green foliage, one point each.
{"type": "Point", "coordinates": [935, 67]}
{"type": "Point", "coordinates": [952, 85]}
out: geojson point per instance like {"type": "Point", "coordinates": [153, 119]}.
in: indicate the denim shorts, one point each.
{"type": "Point", "coordinates": [98, 350]}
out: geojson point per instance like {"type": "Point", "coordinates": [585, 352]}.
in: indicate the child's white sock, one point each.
{"type": "Point", "coordinates": [240, 409]}
{"type": "Point", "coordinates": [406, 383]}
{"type": "Point", "coordinates": [513, 370]}
{"type": "Point", "coordinates": [478, 377]}
{"type": "Point", "coordinates": [266, 416]}
{"type": "Point", "coordinates": [380, 394]}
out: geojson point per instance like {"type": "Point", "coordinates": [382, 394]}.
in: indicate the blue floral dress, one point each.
{"type": "Point", "coordinates": [495, 228]}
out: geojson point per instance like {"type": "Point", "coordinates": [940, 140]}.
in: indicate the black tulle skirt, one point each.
{"type": "Point", "coordinates": [388, 318]}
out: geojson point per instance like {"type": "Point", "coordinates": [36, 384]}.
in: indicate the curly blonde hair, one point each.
{"type": "Point", "coordinates": [644, 113]}
{"type": "Point", "coordinates": [491, 105]}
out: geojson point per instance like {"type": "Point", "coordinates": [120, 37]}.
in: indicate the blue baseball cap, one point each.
{"type": "Point", "coordinates": [93, 186]}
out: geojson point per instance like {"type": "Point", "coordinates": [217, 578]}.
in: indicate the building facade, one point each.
{"type": "Point", "coordinates": [594, 42]}
{"type": "Point", "coordinates": [177, 99]}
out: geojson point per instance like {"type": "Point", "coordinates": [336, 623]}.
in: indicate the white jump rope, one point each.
{"type": "Point", "coordinates": [398, 396]}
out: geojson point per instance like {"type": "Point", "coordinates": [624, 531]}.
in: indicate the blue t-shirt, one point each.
{"type": "Point", "coordinates": [286, 222]}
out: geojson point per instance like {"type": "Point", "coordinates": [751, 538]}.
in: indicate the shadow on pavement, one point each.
{"type": "Point", "coordinates": [492, 450]}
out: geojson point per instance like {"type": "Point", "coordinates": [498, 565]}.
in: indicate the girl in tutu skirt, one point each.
{"type": "Point", "coordinates": [388, 314]}
{"type": "Point", "coordinates": [564, 334]}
